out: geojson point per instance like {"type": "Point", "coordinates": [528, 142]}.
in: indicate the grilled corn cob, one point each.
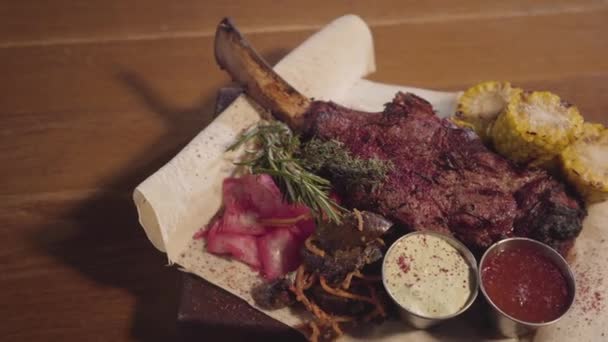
{"type": "Point", "coordinates": [479, 105]}
{"type": "Point", "coordinates": [535, 128]}
{"type": "Point", "coordinates": [585, 163]}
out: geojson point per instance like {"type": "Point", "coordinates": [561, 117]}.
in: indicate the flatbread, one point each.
{"type": "Point", "coordinates": [185, 194]}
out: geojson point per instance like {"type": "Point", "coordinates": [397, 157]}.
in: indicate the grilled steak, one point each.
{"type": "Point", "coordinates": [444, 179]}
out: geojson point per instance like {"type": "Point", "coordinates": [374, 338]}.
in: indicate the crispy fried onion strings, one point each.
{"type": "Point", "coordinates": [341, 293]}
{"type": "Point", "coordinates": [359, 219]}
{"type": "Point", "coordinates": [323, 320]}
{"type": "Point", "coordinates": [321, 317]}
{"type": "Point", "coordinates": [312, 248]}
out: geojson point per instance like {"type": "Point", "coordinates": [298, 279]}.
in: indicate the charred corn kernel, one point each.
{"type": "Point", "coordinates": [479, 105]}
{"type": "Point", "coordinates": [535, 128]}
{"type": "Point", "coordinates": [585, 163]}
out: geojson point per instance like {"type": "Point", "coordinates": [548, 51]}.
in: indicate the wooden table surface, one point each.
{"type": "Point", "coordinates": [95, 96]}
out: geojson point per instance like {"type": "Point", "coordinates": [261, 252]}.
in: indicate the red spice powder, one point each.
{"type": "Point", "coordinates": [403, 263]}
{"type": "Point", "coordinates": [598, 296]}
{"type": "Point", "coordinates": [591, 302]}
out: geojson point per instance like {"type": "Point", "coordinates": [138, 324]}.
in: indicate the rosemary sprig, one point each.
{"type": "Point", "coordinates": [277, 155]}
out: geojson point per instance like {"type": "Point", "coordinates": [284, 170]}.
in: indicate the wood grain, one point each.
{"type": "Point", "coordinates": [39, 22]}
{"type": "Point", "coordinates": [95, 96]}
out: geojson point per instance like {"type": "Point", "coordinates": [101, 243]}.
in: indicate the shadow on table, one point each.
{"type": "Point", "coordinates": [109, 246]}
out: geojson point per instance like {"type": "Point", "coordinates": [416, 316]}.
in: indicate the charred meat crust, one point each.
{"type": "Point", "coordinates": [334, 267]}
{"type": "Point", "coordinates": [348, 234]}
{"type": "Point", "coordinates": [348, 247]}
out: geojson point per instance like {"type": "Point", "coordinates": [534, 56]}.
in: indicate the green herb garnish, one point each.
{"type": "Point", "coordinates": [276, 154]}
{"type": "Point", "coordinates": [332, 158]}
{"type": "Point", "coordinates": [297, 167]}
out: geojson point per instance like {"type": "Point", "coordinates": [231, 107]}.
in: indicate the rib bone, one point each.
{"type": "Point", "coordinates": [234, 54]}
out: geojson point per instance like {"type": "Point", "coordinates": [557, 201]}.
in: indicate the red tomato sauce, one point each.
{"type": "Point", "coordinates": [525, 284]}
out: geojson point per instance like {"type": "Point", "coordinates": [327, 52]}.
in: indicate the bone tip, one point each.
{"type": "Point", "coordinates": [226, 25]}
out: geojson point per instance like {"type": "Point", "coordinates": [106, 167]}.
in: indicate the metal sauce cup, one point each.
{"type": "Point", "coordinates": [510, 326]}
{"type": "Point", "coordinates": [423, 322]}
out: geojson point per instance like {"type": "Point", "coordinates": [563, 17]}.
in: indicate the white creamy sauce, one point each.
{"type": "Point", "coordinates": [428, 276]}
